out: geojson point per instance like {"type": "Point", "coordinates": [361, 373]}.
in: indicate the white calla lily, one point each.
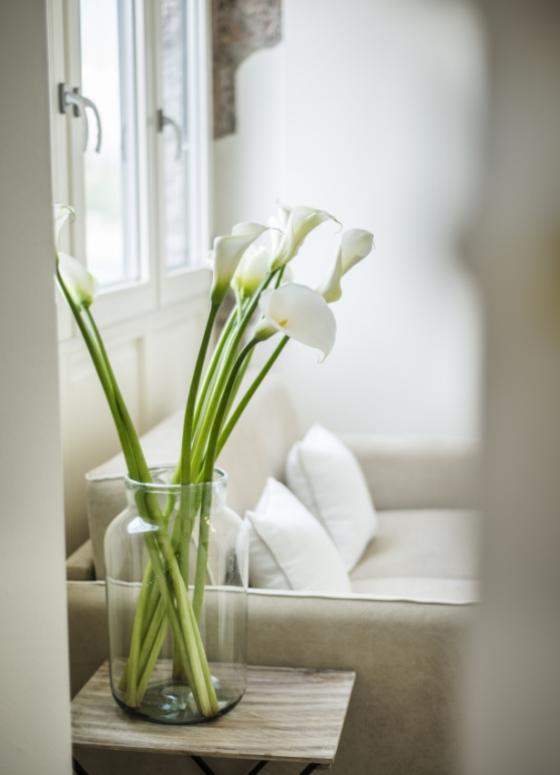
{"type": "Point", "coordinates": [79, 283]}
{"type": "Point", "coordinates": [247, 228]}
{"type": "Point", "coordinates": [355, 245]}
{"type": "Point", "coordinates": [252, 270]}
{"type": "Point", "coordinates": [277, 226]}
{"type": "Point", "coordinates": [62, 213]}
{"type": "Point", "coordinates": [280, 220]}
{"type": "Point", "coordinates": [77, 280]}
{"type": "Point", "coordinates": [288, 275]}
{"type": "Point", "coordinates": [299, 312]}
{"type": "Point", "coordinates": [301, 220]}
{"type": "Point", "coordinates": [227, 253]}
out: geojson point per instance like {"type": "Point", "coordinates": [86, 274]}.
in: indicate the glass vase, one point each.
{"type": "Point", "coordinates": [176, 574]}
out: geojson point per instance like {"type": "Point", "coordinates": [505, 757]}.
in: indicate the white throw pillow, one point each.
{"type": "Point", "coordinates": [288, 548]}
{"type": "Point", "coordinates": [326, 477]}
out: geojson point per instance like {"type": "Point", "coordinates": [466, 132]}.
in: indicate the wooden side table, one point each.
{"type": "Point", "coordinates": [289, 715]}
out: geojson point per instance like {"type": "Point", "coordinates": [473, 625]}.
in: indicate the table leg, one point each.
{"type": "Point", "coordinates": [257, 768]}
{"type": "Point", "coordinates": [207, 770]}
{"type": "Point", "coordinates": [77, 767]}
{"type": "Point", "coordinates": [201, 764]}
{"type": "Point", "coordinates": [309, 768]}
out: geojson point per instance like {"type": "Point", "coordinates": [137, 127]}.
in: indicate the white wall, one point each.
{"type": "Point", "coordinates": [34, 686]}
{"type": "Point", "coordinates": [371, 110]}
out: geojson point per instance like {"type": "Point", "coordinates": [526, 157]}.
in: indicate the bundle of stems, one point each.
{"type": "Point", "coordinates": [167, 599]}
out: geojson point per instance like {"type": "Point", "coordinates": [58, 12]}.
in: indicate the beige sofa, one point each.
{"type": "Point", "coordinates": [401, 630]}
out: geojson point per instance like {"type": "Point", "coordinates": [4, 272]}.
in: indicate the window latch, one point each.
{"type": "Point", "coordinates": [68, 97]}
{"type": "Point", "coordinates": [164, 120]}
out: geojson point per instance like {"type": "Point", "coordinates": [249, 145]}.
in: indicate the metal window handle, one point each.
{"type": "Point", "coordinates": [70, 97]}
{"type": "Point", "coordinates": [164, 120]}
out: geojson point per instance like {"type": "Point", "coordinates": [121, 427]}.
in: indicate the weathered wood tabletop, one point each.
{"type": "Point", "coordinates": [287, 714]}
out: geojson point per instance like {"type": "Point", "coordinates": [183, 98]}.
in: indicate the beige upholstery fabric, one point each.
{"type": "Point", "coordinates": [79, 566]}
{"type": "Point", "coordinates": [427, 543]}
{"type": "Point", "coordinates": [414, 474]}
{"type": "Point", "coordinates": [418, 554]}
{"type": "Point", "coordinates": [407, 657]}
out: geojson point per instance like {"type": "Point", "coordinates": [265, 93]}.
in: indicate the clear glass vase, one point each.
{"type": "Point", "coordinates": [176, 573]}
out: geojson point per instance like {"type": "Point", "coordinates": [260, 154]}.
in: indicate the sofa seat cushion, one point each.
{"type": "Point", "coordinates": [423, 555]}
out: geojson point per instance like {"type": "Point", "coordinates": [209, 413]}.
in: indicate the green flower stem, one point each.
{"type": "Point", "coordinates": [214, 362]}
{"type": "Point", "coordinates": [167, 602]}
{"type": "Point", "coordinates": [139, 470]}
{"type": "Point", "coordinates": [154, 646]}
{"type": "Point", "coordinates": [97, 360]}
{"type": "Point", "coordinates": [181, 537]}
{"type": "Point", "coordinates": [148, 580]}
{"type": "Point", "coordinates": [207, 472]}
{"type": "Point", "coordinates": [185, 629]}
{"type": "Point", "coordinates": [154, 634]}
{"type": "Point", "coordinates": [185, 475]}
{"type": "Point", "coordinates": [242, 405]}
{"type": "Point", "coordinates": [181, 620]}
{"type": "Point", "coordinates": [179, 614]}
{"type": "Point", "coordinates": [132, 668]}
{"type": "Point", "coordinates": [93, 342]}
{"type": "Point", "coordinates": [208, 421]}
{"type": "Point", "coordinates": [189, 641]}
{"type": "Point", "coordinates": [191, 400]}
{"type": "Point", "coordinates": [192, 653]}
{"type": "Point", "coordinates": [236, 385]}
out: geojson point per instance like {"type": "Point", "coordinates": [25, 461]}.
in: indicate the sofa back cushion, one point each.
{"type": "Point", "coordinates": [257, 449]}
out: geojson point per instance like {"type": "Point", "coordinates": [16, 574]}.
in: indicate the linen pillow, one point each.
{"type": "Point", "coordinates": [326, 477]}
{"type": "Point", "coordinates": [288, 548]}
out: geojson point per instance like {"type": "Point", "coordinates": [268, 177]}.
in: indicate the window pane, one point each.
{"type": "Point", "coordinates": [175, 151]}
{"type": "Point", "coordinates": [111, 190]}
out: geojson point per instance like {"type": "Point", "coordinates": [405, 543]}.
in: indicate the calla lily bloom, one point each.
{"type": "Point", "coordinates": [247, 228]}
{"type": "Point", "coordinates": [79, 283]}
{"type": "Point", "coordinates": [288, 275]}
{"type": "Point", "coordinates": [355, 245]}
{"type": "Point", "coordinates": [252, 270]}
{"type": "Point", "coordinates": [301, 220]}
{"type": "Point", "coordinates": [282, 215]}
{"type": "Point", "coordinates": [227, 253]}
{"type": "Point", "coordinates": [299, 312]}
{"type": "Point", "coordinates": [62, 213]}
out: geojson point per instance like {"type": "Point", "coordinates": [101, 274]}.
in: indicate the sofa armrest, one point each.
{"type": "Point", "coordinates": [87, 630]}
{"type": "Point", "coordinates": [417, 474]}
{"type": "Point", "coordinates": [79, 566]}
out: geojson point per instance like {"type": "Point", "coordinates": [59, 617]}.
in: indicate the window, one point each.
{"type": "Point", "coordinates": [108, 63]}
{"type": "Point", "coordinates": [133, 80]}
{"type": "Point", "coordinates": [173, 119]}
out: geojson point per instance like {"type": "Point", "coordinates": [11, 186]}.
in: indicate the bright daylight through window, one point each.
{"type": "Point", "coordinates": [111, 176]}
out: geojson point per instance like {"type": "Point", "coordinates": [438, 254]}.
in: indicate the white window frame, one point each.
{"type": "Point", "coordinates": [157, 287]}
